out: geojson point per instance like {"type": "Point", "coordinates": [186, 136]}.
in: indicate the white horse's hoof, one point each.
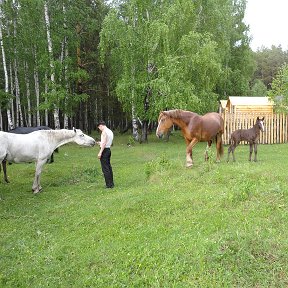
{"type": "Point", "coordinates": [36, 191]}
{"type": "Point", "coordinates": [189, 165]}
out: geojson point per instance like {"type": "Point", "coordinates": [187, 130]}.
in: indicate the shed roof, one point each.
{"type": "Point", "coordinates": [247, 100]}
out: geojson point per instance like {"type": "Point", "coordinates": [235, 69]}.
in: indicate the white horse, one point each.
{"type": "Point", "coordinates": [37, 147]}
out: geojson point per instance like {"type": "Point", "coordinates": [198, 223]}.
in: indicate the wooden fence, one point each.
{"type": "Point", "coordinates": [276, 126]}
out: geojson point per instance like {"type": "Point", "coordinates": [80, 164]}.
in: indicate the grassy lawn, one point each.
{"type": "Point", "coordinates": [214, 225]}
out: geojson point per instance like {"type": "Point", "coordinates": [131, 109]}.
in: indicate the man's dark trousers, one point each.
{"type": "Point", "coordinates": [106, 167]}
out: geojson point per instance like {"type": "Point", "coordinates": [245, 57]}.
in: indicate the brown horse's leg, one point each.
{"type": "Point", "coordinates": [209, 143]}
{"type": "Point", "coordinates": [219, 147]}
{"type": "Point", "coordinates": [189, 156]}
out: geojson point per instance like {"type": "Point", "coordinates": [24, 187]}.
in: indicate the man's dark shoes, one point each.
{"type": "Point", "coordinates": [109, 187]}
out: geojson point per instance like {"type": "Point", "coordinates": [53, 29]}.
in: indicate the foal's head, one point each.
{"type": "Point", "coordinates": [260, 123]}
{"type": "Point", "coordinates": [164, 123]}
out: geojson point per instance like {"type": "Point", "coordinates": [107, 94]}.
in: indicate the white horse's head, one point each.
{"type": "Point", "coordinates": [82, 139]}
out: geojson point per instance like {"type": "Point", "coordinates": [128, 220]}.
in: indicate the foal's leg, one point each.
{"type": "Point", "coordinates": [255, 152]}
{"type": "Point", "coordinates": [229, 151]}
{"type": "Point", "coordinates": [232, 147]}
{"type": "Point", "coordinates": [36, 187]}
{"type": "Point", "coordinates": [251, 150]}
{"type": "Point", "coordinates": [189, 157]}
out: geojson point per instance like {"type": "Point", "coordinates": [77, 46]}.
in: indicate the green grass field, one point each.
{"type": "Point", "coordinates": [214, 225]}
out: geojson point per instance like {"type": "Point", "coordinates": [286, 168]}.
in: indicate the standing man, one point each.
{"type": "Point", "coordinates": [105, 153]}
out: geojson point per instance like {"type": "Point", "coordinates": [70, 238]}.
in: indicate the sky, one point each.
{"type": "Point", "coordinates": [268, 23]}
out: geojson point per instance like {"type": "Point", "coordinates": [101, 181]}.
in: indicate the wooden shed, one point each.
{"type": "Point", "coordinates": [243, 104]}
{"type": "Point", "coordinates": [223, 106]}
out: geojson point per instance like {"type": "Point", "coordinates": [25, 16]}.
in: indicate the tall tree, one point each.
{"type": "Point", "coordinates": [4, 95]}
{"type": "Point", "coordinates": [279, 89]}
{"type": "Point", "coordinates": [269, 61]}
{"type": "Point", "coordinates": [162, 61]}
{"type": "Point", "coordinates": [51, 60]}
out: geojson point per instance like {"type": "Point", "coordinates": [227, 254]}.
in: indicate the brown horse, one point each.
{"type": "Point", "coordinates": [195, 128]}
{"type": "Point", "coordinates": [251, 135]}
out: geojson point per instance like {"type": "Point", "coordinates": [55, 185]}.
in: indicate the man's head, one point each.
{"type": "Point", "coordinates": [101, 124]}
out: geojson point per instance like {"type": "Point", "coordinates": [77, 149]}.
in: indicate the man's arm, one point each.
{"type": "Point", "coordinates": [102, 144]}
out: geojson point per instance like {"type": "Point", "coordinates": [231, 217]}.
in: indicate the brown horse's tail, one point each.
{"type": "Point", "coordinates": [219, 143]}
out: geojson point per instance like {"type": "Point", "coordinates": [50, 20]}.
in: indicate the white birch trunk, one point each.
{"type": "Point", "coordinates": [65, 55]}
{"type": "Point", "coordinates": [134, 125]}
{"type": "Point", "coordinates": [37, 94]}
{"type": "Point", "coordinates": [67, 87]}
{"type": "Point", "coordinates": [12, 93]}
{"type": "Point", "coordinates": [50, 51]}
{"type": "Point", "coordinates": [46, 91]}
{"type": "Point", "coordinates": [19, 116]}
{"type": "Point", "coordinates": [135, 132]}
{"type": "Point", "coordinates": [28, 94]}
{"type": "Point", "coordinates": [9, 117]}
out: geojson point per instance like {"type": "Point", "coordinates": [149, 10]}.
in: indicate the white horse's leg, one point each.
{"type": "Point", "coordinates": [36, 187]}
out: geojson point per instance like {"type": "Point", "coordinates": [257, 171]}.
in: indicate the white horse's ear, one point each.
{"type": "Point", "coordinates": [74, 129]}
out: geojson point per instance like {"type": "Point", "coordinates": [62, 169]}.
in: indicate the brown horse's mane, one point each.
{"type": "Point", "coordinates": [180, 114]}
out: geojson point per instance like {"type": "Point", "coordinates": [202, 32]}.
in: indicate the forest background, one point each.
{"type": "Point", "coordinates": [71, 63]}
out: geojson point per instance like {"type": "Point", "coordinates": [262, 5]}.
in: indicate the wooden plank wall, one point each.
{"type": "Point", "coordinates": [276, 126]}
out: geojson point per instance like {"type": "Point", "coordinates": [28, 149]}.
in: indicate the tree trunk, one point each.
{"type": "Point", "coordinates": [28, 95]}
{"type": "Point", "coordinates": [65, 55]}
{"type": "Point", "coordinates": [52, 75]}
{"type": "Point", "coordinates": [144, 136]}
{"type": "Point", "coordinates": [45, 92]}
{"type": "Point", "coordinates": [37, 94]}
{"type": "Point", "coordinates": [19, 115]}
{"type": "Point", "coordinates": [134, 125]}
{"type": "Point", "coordinates": [12, 93]}
{"type": "Point", "coordinates": [10, 123]}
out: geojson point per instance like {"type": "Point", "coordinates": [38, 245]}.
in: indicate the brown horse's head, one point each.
{"type": "Point", "coordinates": [164, 123]}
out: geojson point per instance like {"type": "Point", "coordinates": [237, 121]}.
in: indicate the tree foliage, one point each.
{"type": "Point", "coordinates": [197, 52]}
{"type": "Point", "coordinates": [136, 56]}
{"type": "Point", "coordinates": [279, 89]}
{"type": "Point", "coordinates": [269, 61]}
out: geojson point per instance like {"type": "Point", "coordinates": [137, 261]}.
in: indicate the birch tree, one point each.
{"type": "Point", "coordinates": [185, 63]}
{"type": "Point", "coordinates": [19, 115]}
{"type": "Point", "coordinates": [52, 71]}
{"type": "Point", "coordinates": [6, 90]}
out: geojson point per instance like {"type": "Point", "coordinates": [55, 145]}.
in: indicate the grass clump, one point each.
{"type": "Point", "coordinates": [157, 165]}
